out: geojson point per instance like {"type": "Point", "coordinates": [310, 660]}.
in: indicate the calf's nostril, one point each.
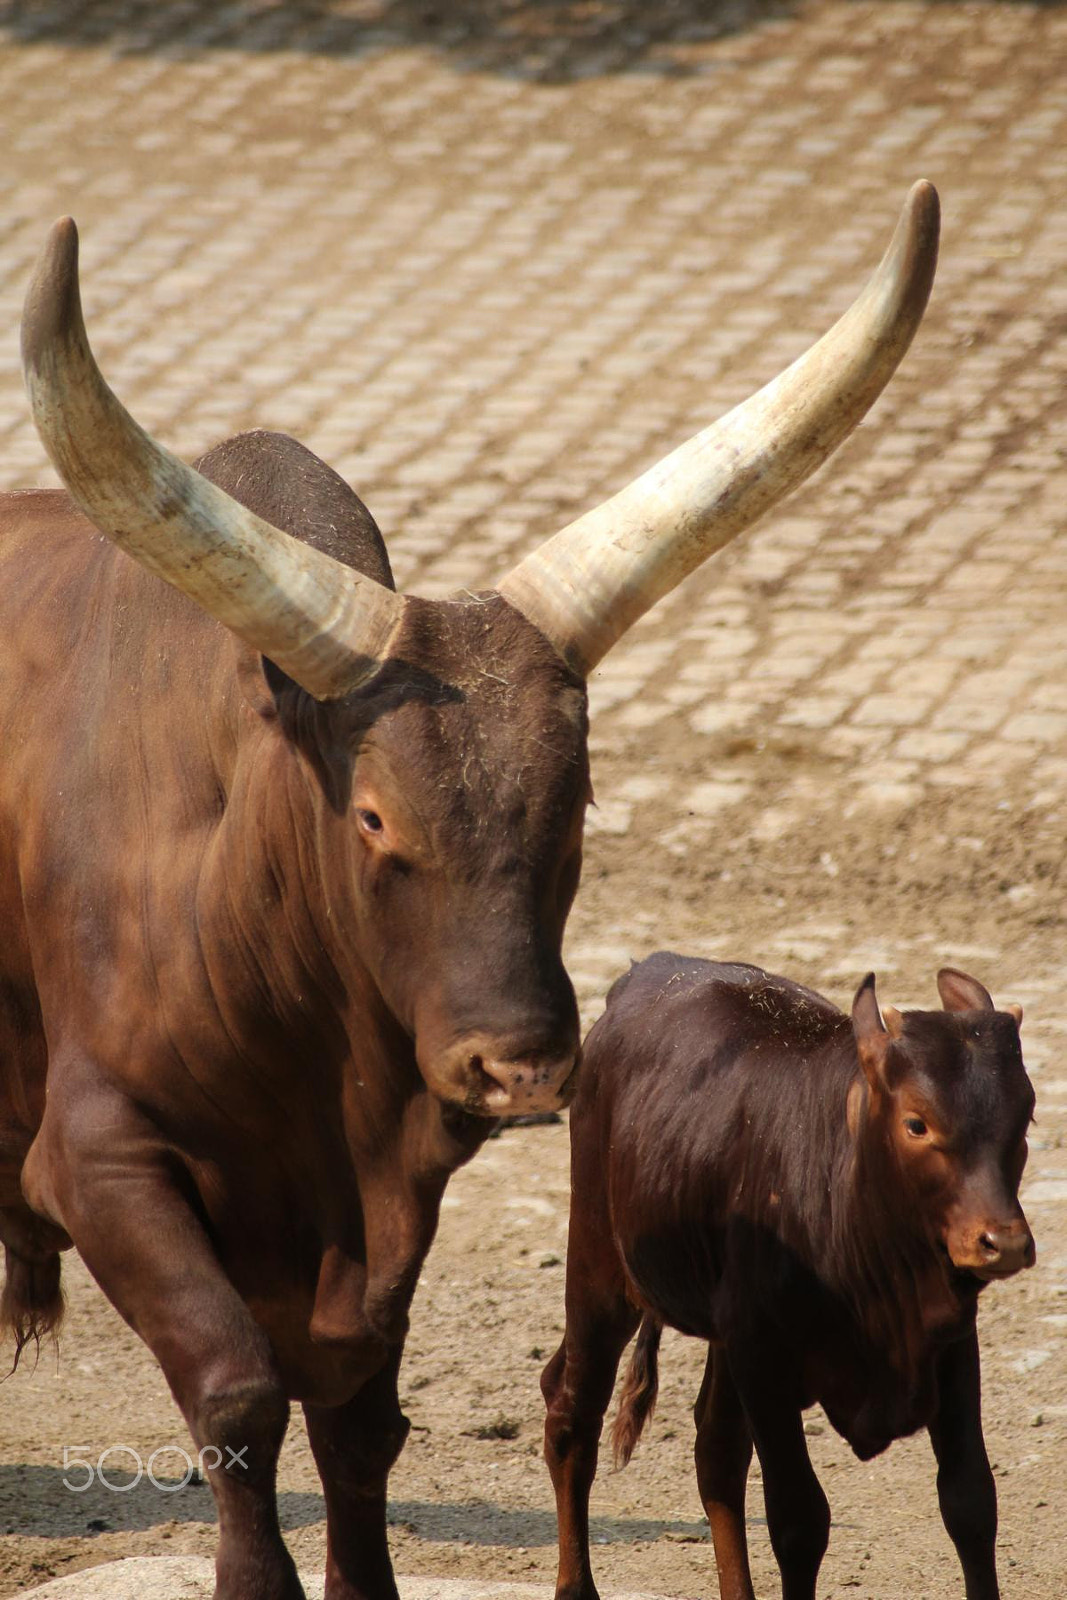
{"type": "Point", "coordinates": [989, 1244]}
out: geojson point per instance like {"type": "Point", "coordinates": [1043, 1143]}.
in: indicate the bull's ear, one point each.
{"type": "Point", "coordinates": [254, 674]}
{"type": "Point", "coordinates": [960, 993]}
{"type": "Point", "coordinates": [872, 1040]}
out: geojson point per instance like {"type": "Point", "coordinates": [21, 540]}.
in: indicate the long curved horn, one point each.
{"type": "Point", "coordinates": [587, 585]}
{"type": "Point", "coordinates": [323, 624]}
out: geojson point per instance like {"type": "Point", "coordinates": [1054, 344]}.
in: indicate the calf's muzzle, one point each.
{"type": "Point", "coordinates": [994, 1249]}
{"type": "Point", "coordinates": [1006, 1250]}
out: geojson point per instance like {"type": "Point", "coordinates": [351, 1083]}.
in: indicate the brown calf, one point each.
{"type": "Point", "coordinates": [823, 1200]}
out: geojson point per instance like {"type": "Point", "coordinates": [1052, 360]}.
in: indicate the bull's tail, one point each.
{"type": "Point", "coordinates": [31, 1305]}
{"type": "Point", "coordinates": [640, 1387]}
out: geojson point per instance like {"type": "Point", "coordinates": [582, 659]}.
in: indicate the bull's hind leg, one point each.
{"type": "Point", "coordinates": [106, 1179]}
{"type": "Point", "coordinates": [723, 1453]}
{"type": "Point", "coordinates": [577, 1386]}
{"type": "Point", "coordinates": [354, 1447]}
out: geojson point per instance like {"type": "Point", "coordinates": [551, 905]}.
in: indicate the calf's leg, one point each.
{"type": "Point", "coordinates": [577, 1386]}
{"type": "Point", "coordinates": [723, 1453]}
{"type": "Point", "coordinates": [965, 1488]}
{"type": "Point", "coordinates": [113, 1189]}
{"type": "Point", "coordinates": [354, 1447]}
{"type": "Point", "coordinates": [798, 1516]}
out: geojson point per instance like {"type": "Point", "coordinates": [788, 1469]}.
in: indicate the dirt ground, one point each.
{"type": "Point", "coordinates": [546, 242]}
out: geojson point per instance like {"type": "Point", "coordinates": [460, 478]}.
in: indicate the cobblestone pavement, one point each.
{"type": "Point", "coordinates": [492, 259]}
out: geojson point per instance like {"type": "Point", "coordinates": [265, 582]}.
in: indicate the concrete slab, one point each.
{"type": "Point", "coordinates": [193, 1578]}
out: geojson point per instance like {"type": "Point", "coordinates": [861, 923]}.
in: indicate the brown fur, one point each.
{"type": "Point", "coordinates": [637, 1400]}
{"type": "Point", "coordinates": [270, 969]}
{"type": "Point", "coordinates": [32, 1303]}
{"type": "Point", "coordinates": [818, 1198]}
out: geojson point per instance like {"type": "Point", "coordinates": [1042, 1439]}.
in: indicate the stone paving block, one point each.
{"type": "Point", "coordinates": [892, 710]}
{"type": "Point", "coordinates": [1040, 728]}
{"type": "Point", "coordinates": [815, 711]}
{"type": "Point", "coordinates": [927, 745]}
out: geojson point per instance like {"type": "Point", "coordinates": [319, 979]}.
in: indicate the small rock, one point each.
{"type": "Point", "coordinates": [502, 1428]}
{"type": "Point", "coordinates": [1037, 1420]}
{"type": "Point", "coordinates": [813, 1429]}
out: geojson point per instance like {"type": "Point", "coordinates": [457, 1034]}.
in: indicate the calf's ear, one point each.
{"type": "Point", "coordinates": [894, 1022]}
{"type": "Point", "coordinates": [960, 993]}
{"type": "Point", "coordinates": [872, 1039]}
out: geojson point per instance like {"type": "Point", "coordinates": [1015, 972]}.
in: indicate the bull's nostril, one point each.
{"type": "Point", "coordinates": [481, 1077]}
{"type": "Point", "coordinates": [989, 1244]}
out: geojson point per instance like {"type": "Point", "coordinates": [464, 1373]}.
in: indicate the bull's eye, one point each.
{"type": "Point", "coordinates": [915, 1126]}
{"type": "Point", "coordinates": [369, 821]}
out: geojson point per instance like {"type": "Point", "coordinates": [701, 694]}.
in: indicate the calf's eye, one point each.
{"type": "Point", "coordinates": [369, 821]}
{"type": "Point", "coordinates": [915, 1126]}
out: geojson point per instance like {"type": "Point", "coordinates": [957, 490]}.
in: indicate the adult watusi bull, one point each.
{"type": "Point", "coordinates": [285, 861]}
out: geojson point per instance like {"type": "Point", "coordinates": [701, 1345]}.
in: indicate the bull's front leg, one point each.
{"type": "Point", "coordinates": [965, 1488]}
{"type": "Point", "coordinates": [98, 1170]}
{"type": "Point", "coordinates": [355, 1445]}
{"type": "Point", "coordinates": [365, 1308]}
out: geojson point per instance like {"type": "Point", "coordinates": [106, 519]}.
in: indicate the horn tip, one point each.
{"type": "Point", "coordinates": [910, 262]}
{"type": "Point", "coordinates": [52, 309]}
{"type": "Point", "coordinates": [924, 203]}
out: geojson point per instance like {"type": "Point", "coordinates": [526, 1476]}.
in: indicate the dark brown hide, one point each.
{"type": "Point", "coordinates": [279, 963]}
{"type": "Point", "coordinates": [818, 1197]}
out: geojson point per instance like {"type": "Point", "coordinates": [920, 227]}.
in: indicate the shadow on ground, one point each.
{"type": "Point", "coordinates": [39, 1501]}
{"type": "Point", "coordinates": [547, 41]}
{"type": "Point", "coordinates": [35, 1501]}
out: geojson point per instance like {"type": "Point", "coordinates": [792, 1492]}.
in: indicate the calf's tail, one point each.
{"type": "Point", "coordinates": [31, 1305]}
{"type": "Point", "coordinates": [640, 1387]}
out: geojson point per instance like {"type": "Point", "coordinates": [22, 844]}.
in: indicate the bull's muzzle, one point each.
{"type": "Point", "coordinates": [492, 1080]}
